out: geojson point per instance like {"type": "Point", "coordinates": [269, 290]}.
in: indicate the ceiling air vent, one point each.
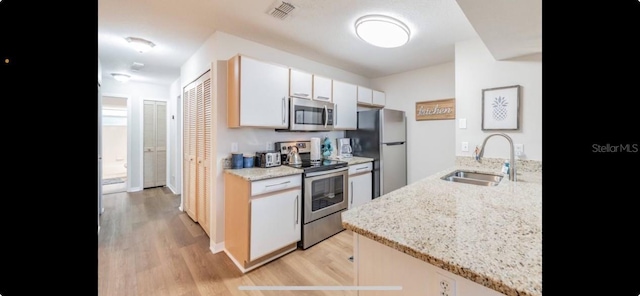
{"type": "Point", "coordinates": [136, 66]}
{"type": "Point", "coordinates": [281, 9]}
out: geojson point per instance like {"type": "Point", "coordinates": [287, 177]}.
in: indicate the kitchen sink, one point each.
{"type": "Point", "coordinates": [475, 178]}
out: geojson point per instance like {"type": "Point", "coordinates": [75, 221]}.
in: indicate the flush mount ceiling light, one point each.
{"type": "Point", "coordinates": [382, 31]}
{"type": "Point", "coordinates": [121, 77]}
{"type": "Point", "coordinates": [139, 44]}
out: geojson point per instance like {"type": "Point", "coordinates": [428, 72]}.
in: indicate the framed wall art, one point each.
{"type": "Point", "coordinates": [501, 108]}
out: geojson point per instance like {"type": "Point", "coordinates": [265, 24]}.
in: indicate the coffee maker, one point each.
{"type": "Point", "coordinates": [344, 148]}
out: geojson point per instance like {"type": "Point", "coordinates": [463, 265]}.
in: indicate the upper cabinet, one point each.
{"type": "Point", "coordinates": [365, 95]}
{"type": "Point", "coordinates": [257, 93]}
{"type": "Point", "coordinates": [370, 97]}
{"type": "Point", "coordinates": [379, 98]}
{"type": "Point", "coordinates": [345, 100]}
{"type": "Point", "coordinates": [309, 86]}
{"type": "Point", "coordinates": [300, 84]}
{"type": "Point", "coordinates": [321, 88]}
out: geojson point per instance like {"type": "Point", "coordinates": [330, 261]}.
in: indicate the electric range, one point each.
{"type": "Point", "coordinates": [324, 193]}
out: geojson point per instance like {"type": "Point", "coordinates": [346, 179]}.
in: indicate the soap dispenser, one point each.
{"type": "Point", "coordinates": [505, 167]}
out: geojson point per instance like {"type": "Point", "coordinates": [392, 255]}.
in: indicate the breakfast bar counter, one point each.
{"type": "Point", "coordinates": [488, 235]}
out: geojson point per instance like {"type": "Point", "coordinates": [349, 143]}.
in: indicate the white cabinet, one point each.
{"type": "Point", "coordinates": [371, 97]}
{"type": "Point", "coordinates": [360, 184]}
{"type": "Point", "coordinates": [257, 93]}
{"type": "Point", "coordinates": [262, 219]}
{"type": "Point", "coordinates": [365, 95]}
{"type": "Point", "coordinates": [300, 84]}
{"type": "Point", "coordinates": [321, 88]}
{"type": "Point", "coordinates": [345, 106]}
{"type": "Point", "coordinates": [379, 98]}
{"type": "Point", "coordinates": [275, 222]}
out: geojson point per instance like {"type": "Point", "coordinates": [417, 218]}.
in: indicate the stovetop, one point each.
{"type": "Point", "coordinates": [322, 165]}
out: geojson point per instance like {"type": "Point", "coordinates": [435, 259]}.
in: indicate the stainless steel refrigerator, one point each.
{"type": "Point", "coordinates": [382, 135]}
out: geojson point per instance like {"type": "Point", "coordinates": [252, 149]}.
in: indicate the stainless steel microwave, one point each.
{"type": "Point", "coordinates": [308, 115]}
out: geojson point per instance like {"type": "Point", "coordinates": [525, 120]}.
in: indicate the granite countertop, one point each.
{"type": "Point", "coordinates": [254, 174]}
{"type": "Point", "coordinates": [491, 235]}
{"type": "Point", "coordinates": [353, 160]}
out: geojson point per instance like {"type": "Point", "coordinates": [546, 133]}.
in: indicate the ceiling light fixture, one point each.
{"type": "Point", "coordinates": [382, 31]}
{"type": "Point", "coordinates": [139, 44]}
{"type": "Point", "coordinates": [121, 77]}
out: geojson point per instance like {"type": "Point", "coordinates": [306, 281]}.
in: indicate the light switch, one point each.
{"type": "Point", "coordinates": [234, 147]}
{"type": "Point", "coordinates": [463, 123]}
{"type": "Point", "coordinates": [465, 146]}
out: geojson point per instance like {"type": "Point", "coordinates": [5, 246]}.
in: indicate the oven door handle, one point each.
{"type": "Point", "coordinates": [323, 173]}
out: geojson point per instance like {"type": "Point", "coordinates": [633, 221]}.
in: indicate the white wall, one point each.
{"type": "Point", "coordinates": [430, 143]}
{"type": "Point", "coordinates": [174, 148]}
{"type": "Point", "coordinates": [136, 94]}
{"type": "Point", "coordinates": [475, 70]}
{"type": "Point", "coordinates": [213, 55]}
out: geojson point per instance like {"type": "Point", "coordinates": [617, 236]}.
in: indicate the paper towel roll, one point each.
{"type": "Point", "coordinates": [315, 153]}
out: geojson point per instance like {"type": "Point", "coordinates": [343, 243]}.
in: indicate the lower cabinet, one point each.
{"type": "Point", "coordinates": [360, 184]}
{"type": "Point", "coordinates": [275, 222]}
{"type": "Point", "coordinates": [263, 218]}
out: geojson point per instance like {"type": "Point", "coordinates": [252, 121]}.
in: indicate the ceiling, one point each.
{"type": "Point", "coordinates": [319, 30]}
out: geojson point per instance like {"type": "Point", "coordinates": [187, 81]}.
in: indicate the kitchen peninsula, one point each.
{"type": "Point", "coordinates": [433, 234]}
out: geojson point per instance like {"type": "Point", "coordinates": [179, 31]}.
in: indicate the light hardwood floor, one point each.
{"type": "Point", "coordinates": [147, 246]}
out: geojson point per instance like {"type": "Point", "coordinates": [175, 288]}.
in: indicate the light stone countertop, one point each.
{"type": "Point", "coordinates": [254, 174]}
{"type": "Point", "coordinates": [491, 235]}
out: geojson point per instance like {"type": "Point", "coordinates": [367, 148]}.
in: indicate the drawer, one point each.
{"type": "Point", "coordinates": [360, 168]}
{"type": "Point", "coordinates": [275, 184]}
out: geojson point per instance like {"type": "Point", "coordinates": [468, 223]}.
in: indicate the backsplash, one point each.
{"type": "Point", "coordinates": [522, 165]}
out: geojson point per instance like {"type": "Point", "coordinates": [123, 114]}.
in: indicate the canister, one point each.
{"type": "Point", "coordinates": [237, 161]}
{"type": "Point", "coordinates": [248, 161]}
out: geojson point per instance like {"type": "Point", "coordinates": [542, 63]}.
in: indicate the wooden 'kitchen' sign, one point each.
{"type": "Point", "coordinates": [436, 110]}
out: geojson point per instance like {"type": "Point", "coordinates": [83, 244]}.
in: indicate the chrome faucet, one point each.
{"type": "Point", "coordinates": [512, 163]}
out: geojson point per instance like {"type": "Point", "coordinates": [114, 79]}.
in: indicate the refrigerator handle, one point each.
{"type": "Point", "coordinates": [394, 143]}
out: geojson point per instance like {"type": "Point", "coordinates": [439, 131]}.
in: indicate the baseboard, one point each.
{"type": "Point", "coordinates": [172, 189]}
{"type": "Point", "coordinates": [219, 247]}
{"type": "Point", "coordinates": [235, 262]}
{"type": "Point", "coordinates": [274, 257]}
{"type": "Point", "coordinates": [134, 189]}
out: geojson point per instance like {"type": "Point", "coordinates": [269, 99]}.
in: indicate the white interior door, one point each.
{"type": "Point", "coordinates": [154, 143]}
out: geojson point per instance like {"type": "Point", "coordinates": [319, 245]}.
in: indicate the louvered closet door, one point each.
{"type": "Point", "coordinates": [149, 144]}
{"type": "Point", "coordinates": [204, 154]}
{"type": "Point", "coordinates": [185, 149]}
{"type": "Point", "coordinates": [189, 182]}
{"type": "Point", "coordinates": [161, 143]}
{"type": "Point", "coordinates": [154, 144]}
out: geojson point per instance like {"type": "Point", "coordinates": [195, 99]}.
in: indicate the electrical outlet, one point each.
{"type": "Point", "coordinates": [465, 146]}
{"type": "Point", "coordinates": [446, 286]}
{"type": "Point", "coordinates": [519, 149]}
{"type": "Point", "coordinates": [268, 146]}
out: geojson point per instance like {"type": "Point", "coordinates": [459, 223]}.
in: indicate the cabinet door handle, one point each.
{"type": "Point", "coordinates": [278, 184]}
{"type": "Point", "coordinates": [296, 205]}
{"type": "Point", "coordinates": [283, 110]}
{"type": "Point", "coordinates": [301, 94]}
{"type": "Point", "coordinates": [364, 168]}
{"type": "Point", "coordinates": [351, 192]}
{"type": "Point", "coordinates": [323, 97]}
